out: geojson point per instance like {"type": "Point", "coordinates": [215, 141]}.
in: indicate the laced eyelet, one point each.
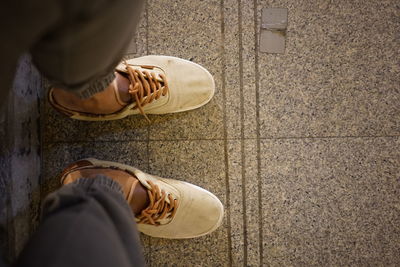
{"type": "Point", "coordinates": [158, 208]}
{"type": "Point", "coordinates": [145, 87]}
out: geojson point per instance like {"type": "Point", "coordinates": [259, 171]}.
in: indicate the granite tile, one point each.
{"type": "Point", "coordinates": [201, 163]}
{"type": "Point", "coordinates": [340, 74]}
{"type": "Point", "coordinates": [59, 128]}
{"type": "Point", "coordinates": [331, 202]}
{"type": "Point", "coordinates": [189, 30]}
{"type": "Point", "coordinates": [202, 123]}
{"type": "Point", "coordinates": [239, 71]}
{"type": "Point", "coordinates": [243, 202]}
{"type": "Point", "coordinates": [232, 69]}
{"type": "Point", "coordinates": [236, 210]}
{"type": "Point", "coordinates": [252, 203]}
{"type": "Point", "coordinates": [186, 29]}
{"type": "Point", "coordinates": [248, 49]}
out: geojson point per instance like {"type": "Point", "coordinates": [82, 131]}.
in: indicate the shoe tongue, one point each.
{"type": "Point", "coordinates": [150, 69]}
{"type": "Point", "coordinates": [117, 94]}
{"type": "Point", "coordinates": [139, 199]}
{"type": "Point", "coordinates": [162, 186]}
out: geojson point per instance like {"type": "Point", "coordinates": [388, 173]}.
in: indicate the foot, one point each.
{"type": "Point", "coordinates": [173, 209]}
{"type": "Point", "coordinates": [112, 99]}
{"type": "Point", "coordinates": [145, 85]}
{"type": "Point", "coordinates": [134, 192]}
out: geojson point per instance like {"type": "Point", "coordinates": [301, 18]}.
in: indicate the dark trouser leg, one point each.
{"type": "Point", "coordinates": [81, 53]}
{"type": "Point", "coordinates": [87, 223]}
{"type": "Point", "coordinates": [75, 44]}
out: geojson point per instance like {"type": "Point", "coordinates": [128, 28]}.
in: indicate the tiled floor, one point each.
{"type": "Point", "coordinates": [302, 148]}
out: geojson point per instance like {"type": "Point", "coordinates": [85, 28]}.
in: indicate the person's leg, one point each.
{"type": "Point", "coordinates": [89, 222]}
{"type": "Point", "coordinates": [85, 223]}
{"type": "Point", "coordinates": [22, 23]}
{"type": "Point", "coordinates": [79, 54]}
{"type": "Point", "coordinates": [103, 102]}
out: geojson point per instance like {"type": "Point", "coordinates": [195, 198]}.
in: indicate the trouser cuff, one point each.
{"type": "Point", "coordinates": [96, 86]}
{"type": "Point", "coordinates": [101, 180]}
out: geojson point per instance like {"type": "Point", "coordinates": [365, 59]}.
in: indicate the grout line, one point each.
{"type": "Point", "coordinates": [243, 172]}
{"type": "Point", "coordinates": [328, 137]}
{"type": "Point", "coordinates": [227, 189]}
{"type": "Point", "coordinates": [257, 80]}
{"type": "Point", "coordinates": [223, 139]}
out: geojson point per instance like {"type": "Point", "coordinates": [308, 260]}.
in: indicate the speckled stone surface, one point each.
{"type": "Point", "coordinates": [238, 69]}
{"type": "Point", "coordinates": [190, 30]}
{"type": "Point", "coordinates": [235, 198]}
{"type": "Point", "coordinates": [59, 128]}
{"type": "Point", "coordinates": [331, 202]}
{"type": "Point", "coordinates": [231, 69]}
{"type": "Point", "coordinates": [200, 163]}
{"type": "Point", "coordinates": [252, 190]}
{"type": "Point", "coordinates": [202, 123]}
{"type": "Point", "coordinates": [248, 50]}
{"type": "Point", "coordinates": [340, 74]}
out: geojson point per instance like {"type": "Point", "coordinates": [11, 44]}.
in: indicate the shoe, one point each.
{"type": "Point", "coordinates": [177, 209]}
{"type": "Point", "coordinates": [158, 85]}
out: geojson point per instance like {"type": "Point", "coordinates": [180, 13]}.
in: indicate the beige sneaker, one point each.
{"type": "Point", "coordinates": [158, 85]}
{"type": "Point", "coordinates": [177, 209]}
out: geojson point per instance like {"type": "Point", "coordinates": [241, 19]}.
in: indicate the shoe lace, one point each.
{"type": "Point", "coordinates": [145, 87]}
{"type": "Point", "coordinates": [158, 208]}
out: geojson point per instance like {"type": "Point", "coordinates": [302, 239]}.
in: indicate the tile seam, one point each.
{"type": "Point", "coordinates": [329, 137]}
{"type": "Point", "coordinates": [243, 164]}
{"type": "Point", "coordinates": [259, 192]}
{"type": "Point", "coordinates": [223, 74]}
{"type": "Point", "coordinates": [229, 139]}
